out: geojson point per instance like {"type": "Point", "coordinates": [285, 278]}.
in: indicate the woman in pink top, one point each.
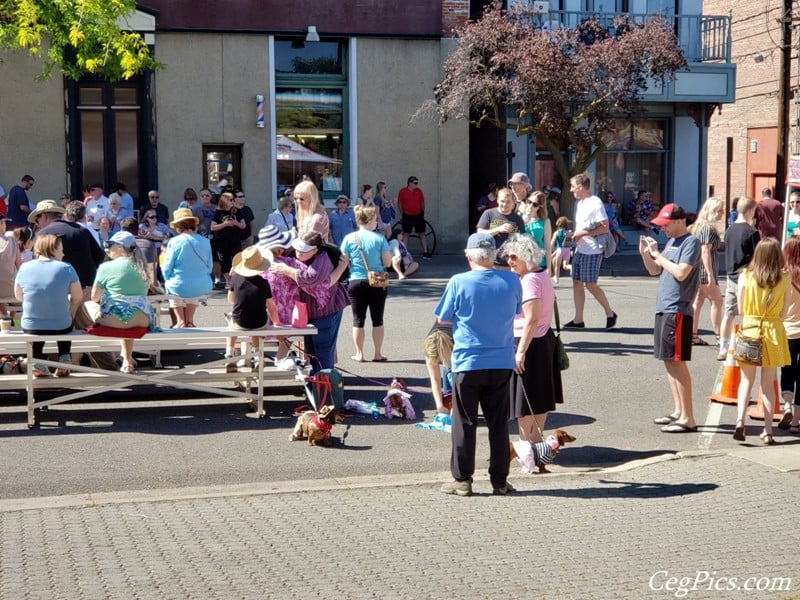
{"type": "Point", "coordinates": [311, 216]}
{"type": "Point", "coordinates": [536, 381]}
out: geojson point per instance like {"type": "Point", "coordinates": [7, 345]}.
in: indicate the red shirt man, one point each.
{"type": "Point", "coordinates": [768, 218]}
{"type": "Point", "coordinates": [411, 202]}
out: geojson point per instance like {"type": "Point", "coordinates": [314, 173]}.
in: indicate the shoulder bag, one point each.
{"type": "Point", "coordinates": [747, 349]}
{"type": "Point", "coordinates": [378, 279]}
{"type": "Point", "coordinates": [561, 352]}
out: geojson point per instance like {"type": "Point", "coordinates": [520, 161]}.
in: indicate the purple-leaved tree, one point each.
{"type": "Point", "coordinates": [567, 87]}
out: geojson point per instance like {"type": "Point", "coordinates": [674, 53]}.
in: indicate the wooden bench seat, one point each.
{"type": "Point", "coordinates": [207, 377]}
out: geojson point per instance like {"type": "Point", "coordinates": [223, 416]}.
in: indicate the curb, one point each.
{"type": "Point", "coordinates": [96, 499]}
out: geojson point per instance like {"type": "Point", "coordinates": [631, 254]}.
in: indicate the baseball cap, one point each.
{"type": "Point", "coordinates": [555, 189]}
{"type": "Point", "coordinates": [519, 178]}
{"type": "Point", "coordinates": [670, 212]}
{"type": "Point", "coordinates": [123, 238]}
{"type": "Point", "coordinates": [480, 240]}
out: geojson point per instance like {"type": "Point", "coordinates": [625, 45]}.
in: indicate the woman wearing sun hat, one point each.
{"type": "Point", "coordinates": [120, 288]}
{"type": "Point", "coordinates": [187, 266]}
{"type": "Point", "coordinates": [249, 294]}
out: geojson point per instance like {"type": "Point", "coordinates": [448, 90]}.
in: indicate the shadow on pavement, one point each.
{"type": "Point", "coordinates": [608, 347]}
{"type": "Point", "coordinates": [602, 456]}
{"type": "Point", "coordinates": [625, 489]}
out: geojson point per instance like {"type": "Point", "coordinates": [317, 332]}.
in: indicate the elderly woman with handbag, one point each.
{"type": "Point", "coordinates": [369, 256]}
{"type": "Point", "coordinates": [536, 382]}
{"type": "Point", "coordinates": [761, 342]}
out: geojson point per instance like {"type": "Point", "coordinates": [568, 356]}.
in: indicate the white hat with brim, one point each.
{"type": "Point", "coordinates": [252, 261]}
{"type": "Point", "coordinates": [300, 246]}
{"type": "Point", "coordinates": [45, 206]}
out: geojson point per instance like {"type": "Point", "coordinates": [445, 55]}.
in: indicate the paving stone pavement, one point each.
{"type": "Point", "coordinates": [620, 533]}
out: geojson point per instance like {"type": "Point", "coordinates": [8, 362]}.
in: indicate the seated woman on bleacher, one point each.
{"type": "Point", "coordinates": [120, 288]}
{"type": "Point", "coordinates": [51, 293]}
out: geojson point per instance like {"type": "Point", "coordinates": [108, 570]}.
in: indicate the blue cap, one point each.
{"type": "Point", "coordinates": [480, 240]}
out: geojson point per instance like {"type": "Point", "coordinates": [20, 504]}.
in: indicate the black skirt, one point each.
{"type": "Point", "coordinates": [541, 380]}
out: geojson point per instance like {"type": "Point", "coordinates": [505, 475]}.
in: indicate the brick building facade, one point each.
{"type": "Point", "coordinates": [751, 123]}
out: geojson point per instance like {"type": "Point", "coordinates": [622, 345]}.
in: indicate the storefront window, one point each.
{"type": "Point", "coordinates": [309, 143]}
{"type": "Point", "coordinates": [310, 115]}
{"type": "Point", "coordinates": [633, 160]}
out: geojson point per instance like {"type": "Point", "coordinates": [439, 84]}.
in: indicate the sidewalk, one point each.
{"type": "Point", "coordinates": [618, 533]}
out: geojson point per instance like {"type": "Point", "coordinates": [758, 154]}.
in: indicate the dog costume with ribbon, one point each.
{"type": "Point", "coordinates": [531, 454]}
{"type": "Point", "coordinates": [405, 401]}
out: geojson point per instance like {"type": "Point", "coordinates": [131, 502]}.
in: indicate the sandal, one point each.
{"type": "Point", "coordinates": [63, 371]}
{"type": "Point", "coordinates": [698, 341]}
{"type": "Point", "coordinates": [768, 440]}
{"type": "Point", "coordinates": [126, 368]}
{"type": "Point", "coordinates": [738, 433]}
{"type": "Point", "coordinates": [40, 370]}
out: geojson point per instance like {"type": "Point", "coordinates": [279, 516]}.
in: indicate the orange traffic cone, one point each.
{"type": "Point", "coordinates": [731, 375]}
{"type": "Point", "coordinates": [757, 411]}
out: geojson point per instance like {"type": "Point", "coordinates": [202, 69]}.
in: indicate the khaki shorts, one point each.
{"type": "Point", "coordinates": [731, 303]}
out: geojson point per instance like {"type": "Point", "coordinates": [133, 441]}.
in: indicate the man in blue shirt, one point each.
{"type": "Point", "coordinates": [18, 206]}
{"type": "Point", "coordinates": [481, 304]}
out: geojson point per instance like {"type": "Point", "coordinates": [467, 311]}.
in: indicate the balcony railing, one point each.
{"type": "Point", "coordinates": [702, 38]}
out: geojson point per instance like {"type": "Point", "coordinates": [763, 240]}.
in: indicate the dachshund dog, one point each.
{"type": "Point", "coordinates": [539, 454]}
{"type": "Point", "coordinates": [316, 425]}
{"type": "Point", "coordinates": [397, 401]}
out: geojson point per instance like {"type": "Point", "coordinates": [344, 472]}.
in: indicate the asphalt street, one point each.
{"type": "Point", "coordinates": [168, 498]}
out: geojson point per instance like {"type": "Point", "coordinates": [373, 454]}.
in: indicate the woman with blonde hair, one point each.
{"type": "Point", "coordinates": [51, 294]}
{"type": "Point", "coordinates": [367, 251]}
{"type": "Point", "coordinates": [707, 230]}
{"type": "Point", "coordinates": [311, 216]}
{"type": "Point", "coordinates": [227, 226]}
{"type": "Point", "coordinates": [762, 302]}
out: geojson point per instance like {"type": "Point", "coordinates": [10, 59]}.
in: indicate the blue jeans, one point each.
{"type": "Point", "coordinates": [322, 347]}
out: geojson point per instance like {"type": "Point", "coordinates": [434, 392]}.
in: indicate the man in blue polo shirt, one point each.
{"type": "Point", "coordinates": [481, 304]}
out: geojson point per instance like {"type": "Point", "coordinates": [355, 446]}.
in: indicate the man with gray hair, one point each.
{"type": "Point", "coordinates": [481, 305]}
{"type": "Point", "coordinates": [520, 184]}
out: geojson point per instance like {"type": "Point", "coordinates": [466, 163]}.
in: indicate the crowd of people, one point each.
{"type": "Point", "coordinates": [311, 257]}
{"type": "Point", "coordinates": [77, 263]}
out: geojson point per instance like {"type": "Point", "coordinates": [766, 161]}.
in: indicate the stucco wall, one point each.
{"type": "Point", "coordinates": [32, 139]}
{"type": "Point", "coordinates": [394, 78]}
{"type": "Point", "coordinates": [206, 94]}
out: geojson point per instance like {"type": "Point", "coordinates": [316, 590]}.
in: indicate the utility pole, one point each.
{"type": "Point", "coordinates": [783, 100]}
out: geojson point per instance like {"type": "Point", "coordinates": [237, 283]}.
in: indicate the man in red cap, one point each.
{"type": "Point", "coordinates": [677, 286]}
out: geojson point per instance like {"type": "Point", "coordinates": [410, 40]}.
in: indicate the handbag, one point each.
{"type": "Point", "coordinates": [749, 350]}
{"type": "Point", "coordinates": [378, 279]}
{"type": "Point", "coordinates": [300, 314]}
{"type": "Point", "coordinates": [561, 351]}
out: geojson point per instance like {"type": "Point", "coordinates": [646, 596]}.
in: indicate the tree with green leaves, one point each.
{"type": "Point", "coordinates": [567, 87]}
{"type": "Point", "coordinates": [79, 37]}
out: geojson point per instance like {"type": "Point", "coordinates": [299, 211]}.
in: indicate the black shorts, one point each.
{"type": "Point", "coordinates": [672, 335]}
{"type": "Point", "coordinates": [415, 222]}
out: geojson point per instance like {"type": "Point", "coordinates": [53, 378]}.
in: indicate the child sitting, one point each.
{"type": "Point", "coordinates": [562, 247]}
{"type": "Point", "coordinates": [250, 296]}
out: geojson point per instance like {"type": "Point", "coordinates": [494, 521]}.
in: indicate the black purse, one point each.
{"type": "Point", "coordinates": [561, 352]}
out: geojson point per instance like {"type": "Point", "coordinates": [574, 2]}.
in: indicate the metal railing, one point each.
{"type": "Point", "coordinates": [702, 38]}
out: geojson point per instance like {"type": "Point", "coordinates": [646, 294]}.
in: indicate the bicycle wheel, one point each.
{"type": "Point", "coordinates": [430, 237]}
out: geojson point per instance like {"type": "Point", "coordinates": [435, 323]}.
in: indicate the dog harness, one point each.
{"type": "Point", "coordinates": [326, 427]}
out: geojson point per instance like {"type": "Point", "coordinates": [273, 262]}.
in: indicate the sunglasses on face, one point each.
{"type": "Point", "coordinates": [240, 197]}
{"type": "Point", "coordinates": [534, 204]}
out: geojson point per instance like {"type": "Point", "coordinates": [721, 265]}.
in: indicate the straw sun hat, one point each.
{"type": "Point", "coordinates": [251, 261]}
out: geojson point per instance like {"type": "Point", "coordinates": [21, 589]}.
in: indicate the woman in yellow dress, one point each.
{"type": "Point", "coordinates": [762, 304]}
